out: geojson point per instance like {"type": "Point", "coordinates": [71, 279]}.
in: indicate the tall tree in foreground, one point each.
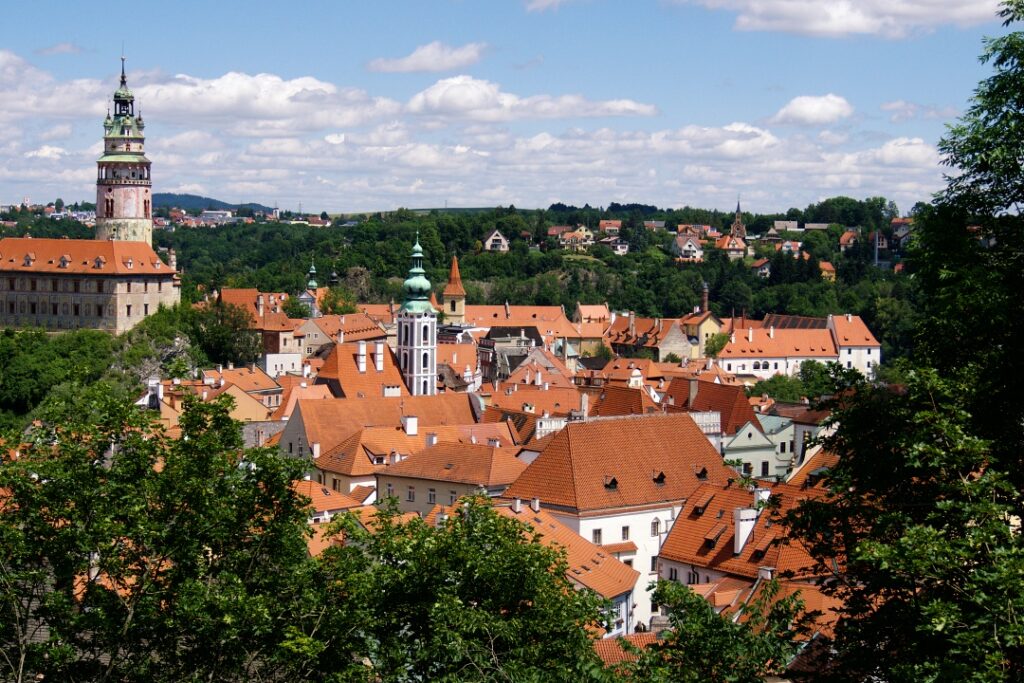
{"type": "Point", "coordinates": [127, 556]}
{"type": "Point", "coordinates": [926, 500]}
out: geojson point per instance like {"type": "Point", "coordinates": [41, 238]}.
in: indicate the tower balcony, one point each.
{"type": "Point", "coordinates": [144, 182]}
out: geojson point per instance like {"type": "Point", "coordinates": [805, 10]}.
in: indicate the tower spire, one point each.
{"type": "Point", "coordinates": [124, 79]}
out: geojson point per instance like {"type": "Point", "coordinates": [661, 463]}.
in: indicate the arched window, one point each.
{"type": "Point", "coordinates": [757, 365]}
{"type": "Point", "coordinates": [426, 332]}
{"type": "Point", "coordinates": [424, 387]}
{"type": "Point", "coordinates": [426, 362]}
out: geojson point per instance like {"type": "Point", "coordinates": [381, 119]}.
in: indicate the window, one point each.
{"type": "Point", "coordinates": [129, 290]}
{"type": "Point", "coordinates": [452, 497]}
{"type": "Point", "coordinates": [849, 352]}
{"type": "Point", "coordinates": [335, 484]}
{"type": "Point", "coordinates": [53, 285]}
{"type": "Point", "coordinates": [145, 309]}
{"type": "Point", "coordinates": [869, 363]}
{"type": "Point", "coordinates": [654, 564]}
{"type": "Point", "coordinates": [426, 330]}
{"type": "Point", "coordinates": [869, 352]}
{"type": "Point", "coordinates": [12, 283]}
{"type": "Point", "coordinates": [431, 496]}
{"type": "Point", "coordinates": [129, 309]}
{"type": "Point", "coordinates": [10, 307]}
{"type": "Point", "coordinates": [748, 468]}
{"type": "Point", "coordinates": [776, 365]}
{"type": "Point", "coordinates": [391, 490]}
{"type": "Point", "coordinates": [426, 361]}
{"type": "Point", "coordinates": [692, 577]}
{"type": "Point", "coordinates": [728, 366]}
{"type": "Point", "coordinates": [673, 574]}
{"type": "Point", "coordinates": [32, 284]}
{"type": "Point", "coordinates": [782, 447]}
{"type": "Point", "coordinates": [410, 495]}
{"type": "Point", "coordinates": [656, 527]}
{"type": "Point", "coordinates": [764, 468]}
{"type": "Point", "coordinates": [290, 444]}
{"type": "Point", "coordinates": [625, 533]}
{"type": "Point", "coordinates": [53, 309]}
{"type": "Point", "coordinates": [849, 364]}
{"type": "Point", "coordinates": [628, 563]}
{"type": "Point", "coordinates": [595, 536]}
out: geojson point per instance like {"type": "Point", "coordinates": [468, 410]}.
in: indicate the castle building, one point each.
{"type": "Point", "coordinates": [454, 295]}
{"type": "Point", "coordinates": [109, 283]}
{"type": "Point", "coordinates": [124, 200]}
{"type": "Point", "coordinates": [417, 331]}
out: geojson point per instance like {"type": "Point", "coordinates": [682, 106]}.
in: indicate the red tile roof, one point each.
{"type": "Point", "coordinates": [323, 499]}
{"type": "Point", "coordinates": [851, 331]}
{"type": "Point", "coordinates": [80, 257]}
{"type": "Point", "coordinates": [342, 367]}
{"type": "Point", "coordinates": [610, 650]}
{"type": "Point", "coordinates": [454, 286]}
{"type": "Point", "coordinates": [729, 400]}
{"type": "Point", "coordinates": [616, 463]}
{"type": "Point", "coordinates": [755, 343]}
{"type": "Point", "coordinates": [475, 464]}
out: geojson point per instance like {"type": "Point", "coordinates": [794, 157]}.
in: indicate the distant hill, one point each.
{"type": "Point", "coordinates": [194, 201]}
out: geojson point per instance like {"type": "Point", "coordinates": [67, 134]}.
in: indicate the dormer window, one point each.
{"type": "Point", "coordinates": [703, 474]}
{"type": "Point", "coordinates": [611, 483]}
{"type": "Point", "coordinates": [64, 261]}
{"type": "Point", "coordinates": [99, 262]}
{"type": "Point", "coordinates": [659, 479]}
{"type": "Point", "coordinates": [29, 258]}
{"type": "Point", "coordinates": [129, 262]}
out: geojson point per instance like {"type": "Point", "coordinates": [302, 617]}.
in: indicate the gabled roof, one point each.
{"type": "Point", "coordinates": [617, 401]}
{"type": "Point", "coordinates": [589, 564]}
{"type": "Point", "coordinates": [294, 392]}
{"type": "Point", "coordinates": [729, 400]}
{"type": "Point", "coordinates": [649, 332]}
{"type": "Point", "coordinates": [543, 365]}
{"type": "Point", "coordinates": [850, 330]}
{"type": "Point", "coordinates": [615, 463]}
{"type": "Point", "coordinates": [476, 464]}
{"type": "Point", "coordinates": [356, 326]}
{"type": "Point", "coordinates": [80, 257]}
{"type": "Point", "coordinates": [341, 371]}
{"type": "Point", "coordinates": [330, 422]}
{"type": "Point", "coordinates": [730, 243]}
{"type": "Point", "coordinates": [816, 463]}
{"type": "Point", "coordinates": [593, 313]}
{"type": "Point", "coordinates": [323, 499]}
{"type": "Point", "coordinates": [457, 356]}
{"type": "Point", "coordinates": [754, 343]}
{"type": "Point", "coordinates": [553, 400]}
{"type": "Point", "coordinates": [690, 539]}
{"type": "Point", "coordinates": [610, 650]}
{"type": "Point", "coordinates": [249, 378]}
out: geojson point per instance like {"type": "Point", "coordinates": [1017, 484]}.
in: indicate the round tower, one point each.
{"type": "Point", "coordinates": [417, 330]}
{"type": "Point", "coordinates": [124, 190]}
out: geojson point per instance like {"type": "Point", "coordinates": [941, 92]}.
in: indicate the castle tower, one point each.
{"type": "Point", "coordinates": [454, 295]}
{"type": "Point", "coordinates": [124, 201]}
{"type": "Point", "coordinates": [738, 229]}
{"type": "Point", "coordinates": [417, 331]}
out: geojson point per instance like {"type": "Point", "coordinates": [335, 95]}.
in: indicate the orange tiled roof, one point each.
{"type": "Point", "coordinates": [295, 392]}
{"type": "Point", "coordinates": [594, 313]}
{"type": "Point", "coordinates": [649, 331]}
{"type": "Point", "coordinates": [809, 473]}
{"type": "Point", "coordinates": [553, 400]}
{"type": "Point", "coordinates": [80, 257]}
{"type": "Point", "coordinates": [342, 367]}
{"type": "Point", "coordinates": [782, 343]}
{"type": "Point", "coordinates": [457, 356]}
{"type": "Point", "coordinates": [851, 331]}
{"type": "Point", "coordinates": [323, 499]}
{"type": "Point", "coordinates": [703, 533]}
{"type": "Point", "coordinates": [250, 379]}
{"type": "Point", "coordinates": [385, 313]}
{"type": "Point", "coordinates": [617, 463]}
{"type": "Point", "coordinates": [589, 565]}
{"type": "Point", "coordinates": [730, 243]}
{"type": "Point", "coordinates": [454, 286]}
{"type": "Point", "coordinates": [356, 326]}
{"type": "Point", "coordinates": [826, 267]}
{"type": "Point", "coordinates": [613, 401]}
{"type": "Point", "coordinates": [477, 464]}
{"type": "Point", "coordinates": [330, 422]}
{"type": "Point", "coordinates": [729, 400]}
{"type": "Point", "coordinates": [611, 652]}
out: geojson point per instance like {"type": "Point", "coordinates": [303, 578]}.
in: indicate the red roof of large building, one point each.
{"type": "Point", "coordinates": [622, 463]}
{"type": "Point", "coordinates": [342, 367]}
{"type": "Point", "coordinates": [477, 464]}
{"type": "Point", "coordinates": [80, 257]}
{"type": "Point", "coordinates": [729, 400]}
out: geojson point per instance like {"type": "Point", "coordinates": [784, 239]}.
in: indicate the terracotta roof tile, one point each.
{"type": "Point", "coordinates": [341, 371]}
{"type": "Point", "coordinates": [454, 286]}
{"type": "Point", "coordinates": [80, 257]}
{"type": "Point", "coordinates": [323, 499]}
{"type": "Point", "coordinates": [729, 400]}
{"type": "Point", "coordinates": [611, 652]}
{"type": "Point", "coordinates": [576, 469]}
{"type": "Point", "coordinates": [754, 343]}
{"type": "Point", "coordinates": [852, 331]}
{"type": "Point", "coordinates": [475, 464]}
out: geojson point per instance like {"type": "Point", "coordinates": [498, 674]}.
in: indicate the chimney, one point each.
{"type": "Point", "coordinates": [750, 334]}
{"type": "Point", "coordinates": [704, 298]}
{"type": "Point", "coordinates": [410, 424]}
{"type": "Point", "coordinates": [302, 384]}
{"type": "Point", "coordinates": [632, 323]}
{"type": "Point", "coordinates": [771, 332]}
{"type": "Point", "coordinates": [694, 388]}
{"type": "Point", "coordinates": [341, 336]}
{"type": "Point", "coordinates": [378, 356]}
{"type": "Point", "coordinates": [517, 505]}
{"type": "Point", "coordinates": [220, 368]}
{"type": "Point", "coordinates": [394, 458]}
{"type": "Point", "coordinates": [315, 448]}
{"type": "Point", "coordinates": [732, 337]}
{"type": "Point", "coordinates": [172, 259]}
{"type": "Point", "coordinates": [508, 311]}
{"type": "Point", "coordinates": [361, 356]}
{"type": "Point", "coordinates": [494, 442]}
{"type": "Point", "coordinates": [231, 365]}
{"type": "Point", "coordinates": [535, 504]}
{"type": "Point", "coordinates": [849, 317]}
{"type": "Point", "coordinates": [259, 305]}
{"type": "Point", "coordinates": [537, 379]}
{"type": "Point", "coordinates": [546, 385]}
{"type": "Point", "coordinates": [584, 403]}
{"type": "Point", "coordinates": [431, 439]}
{"type": "Point", "coordinates": [744, 521]}
{"type": "Point", "coordinates": [305, 370]}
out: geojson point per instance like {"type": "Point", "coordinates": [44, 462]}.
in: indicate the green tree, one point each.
{"type": "Point", "coordinates": [338, 301]}
{"type": "Point", "coordinates": [475, 598]}
{"type": "Point", "coordinates": [130, 556]}
{"type": "Point", "coordinates": [224, 332]}
{"type": "Point", "coordinates": [715, 343]}
{"type": "Point", "coordinates": [705, 647]}
{"type": "Point", "coordinates": [293, 308]}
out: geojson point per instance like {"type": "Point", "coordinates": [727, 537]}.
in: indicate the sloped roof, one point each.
{"type": "Point", "coordinates": [782, 343]}
{"type": "Point", "coordinates": [729, 400]}
{"type": "Point", "coordinates": [81, 257]}
{"type": "Point", "coordinates": [553, 400]}
{"type": "Point", "coordinates": [816, 463]}
{"type": "Point", "coordinates": [589, 564]}
{"type": "Point", "coordinates": [330, 422]}
{"type": "Point", "coordinates": [342, 367]}
{"type": "Point", "coordinates": [593, 313]}
{"type": "Point", "coordinates": [851, 331]}
{"type": "Point", "coordinates": [476, 464]}
{"type": "Point", "coordinates": [648, 332]}
{"type": "Point", "coordinates": [356, 326]}
{"type": "Point", "coordinates": [688, 540]}
{"type": "Point", "coordinates": [616, 401]}
{"type": "Point", "coordinates": [454, 286]}
{"type": "Point", "coordinates": [576, 469]}
{"type": "Point", "coordinates": [611, 652]}
{"type": "Point", "coordinates": [248, 378]}
{"type": "Point", "coordinates": [323, 499]}
{"type": "Point", "coordinates": [295, 392]}
{"type": "Point", "coordinates": [457, 356]}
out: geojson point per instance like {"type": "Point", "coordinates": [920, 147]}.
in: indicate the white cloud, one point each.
{"type": "Point", "coordinates": [812, 110]}
{"type": "Point", "coordinates": [543, 5]}
{"type": "Point", "coordinates": [468, 97]}
{"type": "Point", "coordinates": [435, 56]}
{"type": "Point", "coordinates": [60, 49]}
{"type": "Point", "coordinates": [46, 152]}
{"type": "Point", "coordinates": [901, 111]}
{"type": "Point", "coordinates": [889, 18]}
{"type": "Point", "coordinates": [58, 132]}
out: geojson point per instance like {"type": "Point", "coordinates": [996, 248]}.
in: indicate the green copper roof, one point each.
{"type": "Point", "coordinates": [417, 286]}
{"type": "Point", "coordinates": [128, 158]}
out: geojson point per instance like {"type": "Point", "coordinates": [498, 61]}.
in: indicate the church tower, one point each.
{"type": "Point", "coordinates": [454, 295]}
{"type": "Point", "coordinates": [738, 229]}
{"type": "Point", "coordinates": [124, 197]}
{"type": "Point", "coordinates": [417, 331]}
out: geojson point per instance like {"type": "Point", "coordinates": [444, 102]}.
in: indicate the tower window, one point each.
{"type": "Point", "coordinates": [453, 306]}
{"type": "Point", "coordinates": [426, 332]}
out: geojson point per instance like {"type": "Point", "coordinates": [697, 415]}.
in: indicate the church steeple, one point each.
{"type": "Point", "coordinates": [738, 229]}
{"type": "Point", "coordinates": [417, 330]}
{"type": "Point", "coordinates": [455, 295]}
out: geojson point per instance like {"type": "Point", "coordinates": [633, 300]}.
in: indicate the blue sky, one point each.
{"type": "Point", "coordinates": [354, 106]}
